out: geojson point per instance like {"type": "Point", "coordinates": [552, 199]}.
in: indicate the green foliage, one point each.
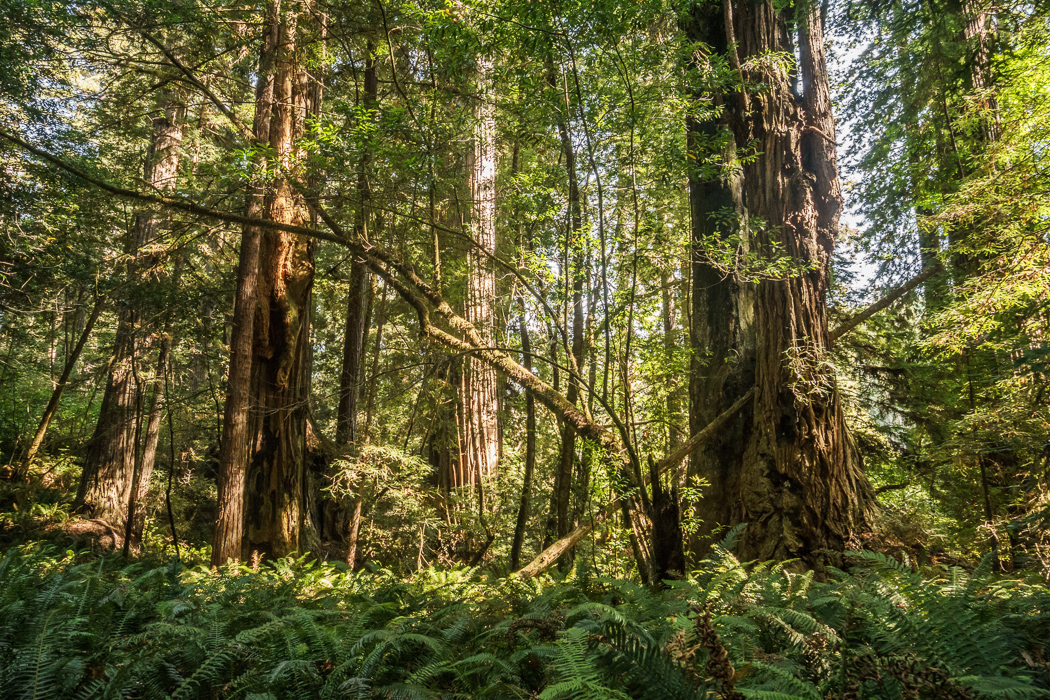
{"type": "Point", "coordinates": [95, 629]}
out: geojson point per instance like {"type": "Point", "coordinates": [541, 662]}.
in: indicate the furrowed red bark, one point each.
{"type": "Point", "coordinates": [798, 481]}
{"type": "Point", "coordinates": [480, 429]}
{"type": "Point", "coordinates": [722, 334]}
{"type": "Point", "coordinates": [806, 187]}
{"type": "Point", "coordinates": [277, 520]}
{"type": "Point", "coordinates": [425, 300]}
{"type": "Point", "coordinates": [233, 448]}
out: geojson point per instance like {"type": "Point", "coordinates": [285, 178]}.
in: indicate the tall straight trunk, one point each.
{"type": "Point", "coordinates": [577, 274]}
{"type": "Point", "coordinates": [667, 537]}
{"type": "Point", "coordinates": [524, 506]}
{"type": "Point", "coordinates": [277, 480]}
{"type": "Point", "coordinates": [795, 476]}
{"type": "Point", "coordinates": [358, 293]}
{"type": "Point", "coordinates": [722, 329]}
{"type": "Point", "coordinates": [136, 516]}
{"type": "Point", "coordinates": [56, 394]}
{"type": "Point", "coordinates": [976, 21]}
{"type": "Point", "coordinates": [105, 485]}
{"type": "Point", "coordinates": [481, 438]}
{"type": "Point", "coordinates": [669, 313]}
{"type": "Point", "coordinates": [353, 536]}
{"type": "Point", "coordinates": [234, 448]}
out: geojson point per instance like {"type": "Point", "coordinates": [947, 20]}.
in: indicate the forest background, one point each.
{"type": "Point", "coordinates": [558, 289]}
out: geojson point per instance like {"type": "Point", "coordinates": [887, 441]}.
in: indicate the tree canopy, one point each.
{"type": "Point", "coordinates": [536, 288]}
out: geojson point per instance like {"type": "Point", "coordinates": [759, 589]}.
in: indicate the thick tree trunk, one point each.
{"type": "Point", "coordinates": [976, 22]}
{"type": "Point", "coordinates": [722, 329]}
{"type": "Point", "coordinates": [276, 482]}
{"type": "Point", "coordinates": [791, 471]}
{"type": "Point", "coordinates": [234, 447]}
{"type": "Point", "coordinates": [481, 438]}
{"type": "Point", "coordinates": [105, 485]}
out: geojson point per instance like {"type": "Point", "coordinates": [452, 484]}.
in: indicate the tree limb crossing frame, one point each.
{"type": "Point", "coordinates": [424, 299]}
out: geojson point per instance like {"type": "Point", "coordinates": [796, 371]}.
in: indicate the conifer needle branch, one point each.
{"type": "Point", "coordinates": [189, 76]}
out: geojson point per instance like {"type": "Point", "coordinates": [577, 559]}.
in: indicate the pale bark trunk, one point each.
{"type": "Point", "coordinates": [355, 533]}
{"type": "Point", "coordinates": [481, 439]}
{"type": "Point", "coordinates": [105, 484]}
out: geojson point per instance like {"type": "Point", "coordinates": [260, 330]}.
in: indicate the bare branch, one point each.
{"type": "Point", "coordinates": [550, 555]}
{"type": "Point", "coordinates": [885, 301]}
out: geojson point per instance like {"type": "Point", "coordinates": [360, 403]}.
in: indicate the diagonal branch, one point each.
{"type": "Point", "coordinates": [169, 202]}
{"type": "Point", "coordinates": [885, 302]}
{"type": "Point", "coordinates": [424, 299]}
{"type": "Point", "coordinates": [401, 275]}
{"type": "Point", "coordinates": [192, 79]}
{"type": "Point", "coordinates": [246, 133]}
{"type": "Point", "coordinates": [551, 554]}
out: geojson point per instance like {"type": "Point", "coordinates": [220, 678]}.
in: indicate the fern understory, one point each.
{"type": "Point", "coordinates": [104, 629]}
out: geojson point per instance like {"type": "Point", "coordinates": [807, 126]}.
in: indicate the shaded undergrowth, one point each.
{"type": "Point", "coordinates": [104, 629]}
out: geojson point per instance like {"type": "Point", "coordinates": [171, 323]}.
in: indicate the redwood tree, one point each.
{"type": "Point", "coordinates": [276, 491]}
{"type": "Point", "coordinates": [263, 484]}
{"type": "Point", "coordinates": [106, 482]}
{"type": "Point", "coordinates": [480, 438]}
{"type": "Point", "coordinates": [233, 449]}
{"type": "Point", "coordinates": [787, 467]}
